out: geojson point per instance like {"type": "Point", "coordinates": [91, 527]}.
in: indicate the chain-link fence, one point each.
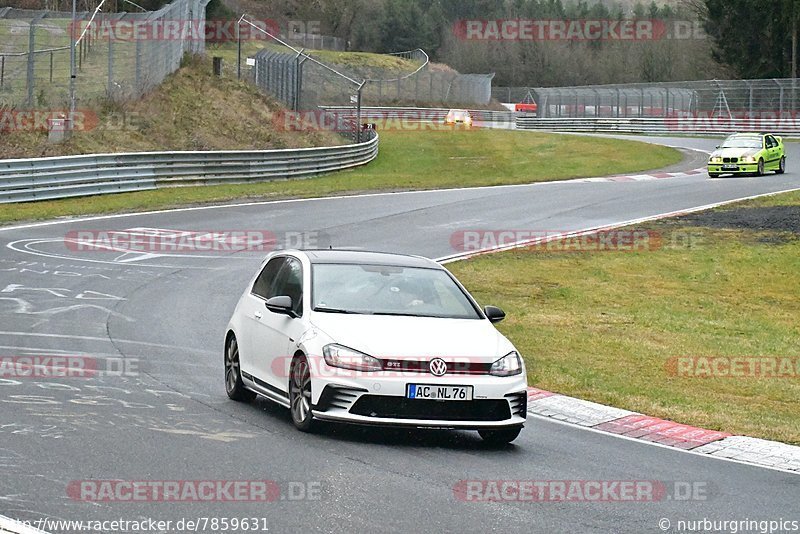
{"type": "Point", "coordinates": [711, 98]}
{"type": "Point", "coordinates": [303, 82]}
{"type": "Point", "coordinates": [117, 56]}
{"type": "Point", "coordinates": [315, 41]}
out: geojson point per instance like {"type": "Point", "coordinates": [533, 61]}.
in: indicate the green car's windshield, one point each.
{"type": "Point", "coordinates": [742, 142]}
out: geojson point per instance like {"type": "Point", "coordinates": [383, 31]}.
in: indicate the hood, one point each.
{"type": "Point", "coordinates": [415, 337]}
{"type": "Point", "coordinates": [735, 152]}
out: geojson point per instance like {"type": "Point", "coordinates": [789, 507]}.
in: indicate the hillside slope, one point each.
{"type": "Point", "coordinates": [191, 110]}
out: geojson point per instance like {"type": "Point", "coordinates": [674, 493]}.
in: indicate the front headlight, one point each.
{"type": "Point", "coordinates": [508, 365]}
{"type": "Point", "coordinates": [749, 159]}
{"type": "Point", "coordinates": [345, 358]}
{"type": "Point", "coordinates": [716, 159]}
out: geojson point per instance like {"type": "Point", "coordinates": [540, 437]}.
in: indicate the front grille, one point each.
{"type": "Point", "coordinates": [402, 408]}
{"type": "Point", "coordinates": [730, 160]}
{"type": "Point", "coordinates": [519, 403]}
{"type": "Point", "coordinates": [337, 397]}
{"type": "Point", "coordinates": [422, 366]}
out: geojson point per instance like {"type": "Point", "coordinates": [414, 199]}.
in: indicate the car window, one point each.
{"type": "Point", "coordinates": [289, 282]}
{"type": "Point", "coordinates": [771, 142]}
{"type": "Point", "coordinates": [389, 290]}
{"type": "Point", "coordinates": [266, 279]}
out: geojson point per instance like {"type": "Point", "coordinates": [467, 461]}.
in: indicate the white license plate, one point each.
{"type": "Point", "coordinates": [730, 167]}
{"type": "Point", "coordinates": [430, 391]}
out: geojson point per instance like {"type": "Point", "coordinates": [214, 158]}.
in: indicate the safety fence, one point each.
{"type": "Point", "coordinates": [117, 55]}
{"type": "Point", "coordinates": [734, 99]}
{"type": "Point", "coordinates": [70, 176]}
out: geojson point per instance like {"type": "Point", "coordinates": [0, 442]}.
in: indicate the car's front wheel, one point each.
{"type": "Point", "coordinates": [300, 394]}
{"type": "Point", "coordinates": [782, 166]}
{"type": "Point", "coordinates": [234, 386]}
{"type": "Point", "coordinates": [500, 436]}
{"type": "Point", "coordinates": [761, 167]}
{"type": "Point", "coordinates": [713, 175]}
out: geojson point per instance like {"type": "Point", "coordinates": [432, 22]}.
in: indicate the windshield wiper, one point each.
{"type": "Point", "coordinates": [400, 314]}
{"type": "Point", "coordinates": [336, 310]}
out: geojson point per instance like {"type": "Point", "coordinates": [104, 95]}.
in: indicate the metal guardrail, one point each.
{"type": "Point", "coordinates": [664, 126]}
{"type": "Point", "coordinates": [24, 180]}
{"type": "Point", "coordinates": [381, 112]}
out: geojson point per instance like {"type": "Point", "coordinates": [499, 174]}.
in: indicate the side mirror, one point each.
{"type": "Point", "coordinates": [494, 314]}
{"type": "Point", "coordinates": [281, 304]}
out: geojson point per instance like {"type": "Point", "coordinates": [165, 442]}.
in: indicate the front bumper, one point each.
{"type": "Point", "coordinates": [736, 168]}
{"type": "Point", "coordinates": [380, 399]}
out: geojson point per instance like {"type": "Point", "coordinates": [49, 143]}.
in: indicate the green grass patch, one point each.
{"type": "Point", "coordinates": [408, 160]}
{"type": "Point", "coordinates": [604, 326]}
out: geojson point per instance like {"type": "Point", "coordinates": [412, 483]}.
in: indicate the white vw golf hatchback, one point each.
{"type": "Point", "coordinates": [373, 338]}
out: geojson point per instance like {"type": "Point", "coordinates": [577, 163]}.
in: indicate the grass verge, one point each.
{"type": "Point", "coordinates": [607, 326]}
{"type": "Point", "coordinates": [440, 159]}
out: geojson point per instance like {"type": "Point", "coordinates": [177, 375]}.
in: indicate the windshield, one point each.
{"type": "Point", "coordinates": [742, 142]}
{"type": "Point", "coordinates": [388, 290]}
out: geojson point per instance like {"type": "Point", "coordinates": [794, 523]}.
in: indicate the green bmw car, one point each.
{"type": "Point", "coordinates": [748, 153]}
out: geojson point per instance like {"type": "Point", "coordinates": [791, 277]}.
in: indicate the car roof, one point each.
{"type": "Point", "coordinates": [362, 257]}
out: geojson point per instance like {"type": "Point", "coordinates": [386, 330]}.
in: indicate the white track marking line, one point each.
{"type": "Point", "coordinates": [103, 339]}
{"type": "Point", "coordinates": [519, 244]}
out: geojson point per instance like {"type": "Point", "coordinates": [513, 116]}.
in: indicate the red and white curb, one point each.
{"type": "Point", "coordinates": [634, 425]}
{"type": "Point", "coordinates": [644, 177]}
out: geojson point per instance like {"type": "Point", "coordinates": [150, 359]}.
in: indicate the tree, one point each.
{"type": "Point", "coordinates": [758, 38]}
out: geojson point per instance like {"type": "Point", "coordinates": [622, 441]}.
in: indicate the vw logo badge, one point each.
{"type": "Point", "coordinates": [438, 367]}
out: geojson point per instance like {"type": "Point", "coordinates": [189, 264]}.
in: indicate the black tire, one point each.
{"type": "Point", "coordinates": [760, 171]}
{"type": "Point", "coordinates": [300, 394]}
{"type": "Point", "coordinates": [713, 175]}
{"type": "Point", "coordinates": [500, 436]}
{"type": "Point", "coordinates": [234, 386]}
{"type": "Point", "coordinates": [782, 167]}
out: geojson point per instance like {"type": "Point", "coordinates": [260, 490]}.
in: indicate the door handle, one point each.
{"type": "Point", "coordinates": [258, 315]}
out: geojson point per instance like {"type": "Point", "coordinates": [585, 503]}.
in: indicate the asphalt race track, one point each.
{"type": "Point", "coordinates": [160, 320]}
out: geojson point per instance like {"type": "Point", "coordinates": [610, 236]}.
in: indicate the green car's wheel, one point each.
{"type": "Point", "coordinates": [782, 167]}
{"type": "Point", "coordinates": [761, 167]}
{"type": "Point", "coordinates": [713, 175]}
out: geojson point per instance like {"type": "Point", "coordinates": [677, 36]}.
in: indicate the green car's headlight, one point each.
{"type": "Point", "coordinates": [749, 159]}
{"type": "Point", "coordinates": [716, 159]}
